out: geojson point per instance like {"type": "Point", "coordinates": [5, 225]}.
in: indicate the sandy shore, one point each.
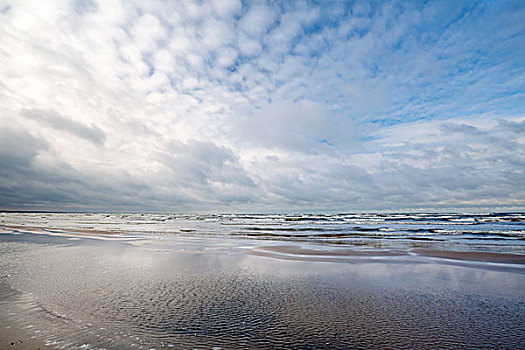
{"type": "Point", "coordinates": [176, 292]}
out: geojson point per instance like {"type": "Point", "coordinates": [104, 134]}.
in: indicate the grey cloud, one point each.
{"type": "Point", "coordinates": [27, 182]}
{"type": "Point", "coordinates": [323, 185]}
{"type": "Point", "coordinates": [302, 126]}
{"type": "Point", "coordinates": [202, 173]}
{"type": "Point", "coordinates": [22, 181]}
{"type": "Point", "coordinates": [15, 143]}
{"type": "Point", "coordinates": [84, 6]}
{"type": "Point", "coordinates": [452, 186]}
{"type": "Point", "coordinates": [470, 169]}
{"type": "Point", "coordinates": [514, 127]}
{"type": "Point", "coordinates": [5, 8]}
{"type": "Point", "coordinates": [503, 137]}
{"type": "Point", "coordinates": [202, 162]}
{"type": "Point", "coordinates": [90, 133]}
{"type": "Point", "coordinates": [461, 129]}
{"type": "Point", "coordinates": [478, 165]}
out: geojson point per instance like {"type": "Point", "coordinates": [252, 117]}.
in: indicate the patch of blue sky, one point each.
{"type": "Point", "coordinates": [369, 138]}
{"type": "Point", "coordinates": [326, 142]}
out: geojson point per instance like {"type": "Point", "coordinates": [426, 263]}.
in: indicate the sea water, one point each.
{"type": "Point", "coordinates": [491, 232]}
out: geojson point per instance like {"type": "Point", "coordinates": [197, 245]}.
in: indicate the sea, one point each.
{"type": "Point", "coordinates": [487, 232]}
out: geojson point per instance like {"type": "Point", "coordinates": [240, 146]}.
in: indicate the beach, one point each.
{"type": "Point", "coordinates": [238, 174]}
{"type": "Point", "coordinates": [71, 290]}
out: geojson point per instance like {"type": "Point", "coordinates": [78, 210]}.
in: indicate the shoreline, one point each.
{"type": "Point", "coordinates": [297, 251]}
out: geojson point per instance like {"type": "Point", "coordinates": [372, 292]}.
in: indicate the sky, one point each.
{"type": "Point", "coordinates": [253, 106]}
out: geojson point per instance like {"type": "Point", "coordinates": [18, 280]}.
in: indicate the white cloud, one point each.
{"type": "Point", "coordinates": [227, 8]}
{"type": "Point", "coordinates": [216, 34]}
{"type": "Point", "coordinates": [248, 46]}
{"type": "Point", "coordinates": [257, 21]}
{"type": "Point", "coordinates": [226, 56]}
{"type": "Point", "coordinates": [147, 31]}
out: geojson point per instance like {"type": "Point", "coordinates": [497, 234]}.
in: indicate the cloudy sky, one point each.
{"type": "Point", "coordinates": [233, 105]}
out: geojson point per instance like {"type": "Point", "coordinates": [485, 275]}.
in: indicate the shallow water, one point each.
{"type": "Point", "coordinates": [175, 290]}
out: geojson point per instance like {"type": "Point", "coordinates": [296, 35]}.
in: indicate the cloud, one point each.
{"type": "Point", "coordinates": [240, 105]}
{"type": "Point", "coordinates": [19, 144]}
{"type": "Point", "coordinates": [147, 32]}
{"type": "Point", "coordinates": [216, 34]}
{"type": "Point", "coordinates": [84, 6]}
{"type": "Point", "coordinates": [202, 163]}
{"type": "Point", "coordinates": [59, 122]}
{"type": "Point", "coordinates": [227, 8]}
{"type": "Point", "coordinates": [256, 22]}
{"type": "Point", "coordinates": [291, 25]}
{"type": "Point", "coordinates": [23, 181]}
{"type": "Point", "coordinates": [302, 126]}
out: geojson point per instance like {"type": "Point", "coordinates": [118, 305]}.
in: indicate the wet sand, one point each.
{"type": "Point", "coordinates": [12, 335]}
{"type": "Point", "coordinates": [176, 292]}
{"type": "Point", "coordinates": [473, 256]}
{"type": "Point", "coordinates": [348, 255]}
